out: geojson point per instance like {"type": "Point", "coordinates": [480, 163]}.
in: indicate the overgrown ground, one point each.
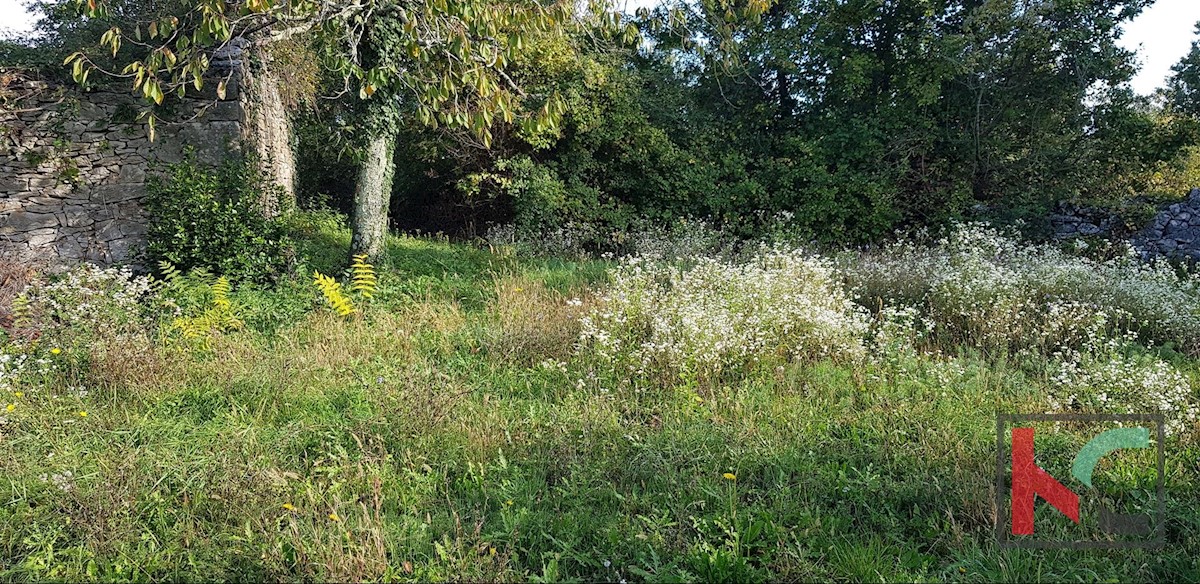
{"type": "Point", "coordinates": [453, 430]}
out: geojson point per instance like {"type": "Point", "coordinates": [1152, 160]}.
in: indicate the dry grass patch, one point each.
{"type": "Point", "coordinates": [529, 323]}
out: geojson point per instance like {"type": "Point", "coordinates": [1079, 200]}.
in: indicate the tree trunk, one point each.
{"type": "Point", "coordinates": [372, 195]}
{"type": "Point", "coordinates": [268, 130]}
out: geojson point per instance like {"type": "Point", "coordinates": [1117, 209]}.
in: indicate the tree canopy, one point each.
{"type": "Point", "coordinates": [846, 118]}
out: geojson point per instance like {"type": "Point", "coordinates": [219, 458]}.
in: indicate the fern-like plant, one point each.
{"type": "Point", "coordinates": [363, 280]}
{"type": "Point", "coordinates": [221, 289]}
{"type": "Point", "coordinates": [22, 312]}
{"type": "Point", "coordinates": [169, 271]}
{"type": "Point", "coordinates": [332, 291]}
{"type": "Point", "coordinates": [218, 317]}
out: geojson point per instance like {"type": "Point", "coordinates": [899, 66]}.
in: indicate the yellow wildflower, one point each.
{"type": "Point", "coordinates": [289, 507]}
{"type": "Point", "coordinates": [83, 414]}
{"type": "Point", "coordinates": [730, 476]}
{"type": "Point", "coordinates": [55, 351]}
{"type": "Point", "coordinates": [334, 517]}
{"type": "Point", "coordinates": [11, 407]}
{"type": "Point", "coordinates": [20, 394]}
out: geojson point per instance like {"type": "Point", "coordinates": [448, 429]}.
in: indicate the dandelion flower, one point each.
{"type": "Point", "coordinates": [730, 476]}
{"type": "Point", "coordinates": [55, 351]}
{"type": "Point", "coordinates": [11, 407]}
{"type": "Point", "coordinates": [289, 507]}
{"type": "Point", "coordinates": [20, 394]}
{"type": "Point", "coordinates": [83, 414]}
{"type": "Point", "coordinates": [334, 517]}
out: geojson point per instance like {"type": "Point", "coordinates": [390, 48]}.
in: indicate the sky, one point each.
{"type": "Point", "coordinates": [1161, 35]}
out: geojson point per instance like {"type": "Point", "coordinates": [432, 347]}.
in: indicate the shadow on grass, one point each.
{"type": "Point", "coordinates": [436, 269]}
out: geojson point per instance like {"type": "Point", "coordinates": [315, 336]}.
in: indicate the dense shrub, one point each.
{"type": "Point", "coordinates": [989, 289]}
{"type": "Point", "coordinates": [213, 219]}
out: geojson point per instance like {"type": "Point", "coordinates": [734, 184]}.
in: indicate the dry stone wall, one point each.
{"type": "Point", "coordinates": [1174, 233]}
{"type": "Point", "coordinates": [73, 164]}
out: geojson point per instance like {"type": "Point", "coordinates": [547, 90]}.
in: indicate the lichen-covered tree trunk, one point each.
{"type": "Point", "coordinates": [268, 128]}
{"type": "Point", "coordinates": [371, 197]}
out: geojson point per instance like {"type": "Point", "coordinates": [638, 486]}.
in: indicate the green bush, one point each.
{"type": "Point", "coordinates": [212, 219]}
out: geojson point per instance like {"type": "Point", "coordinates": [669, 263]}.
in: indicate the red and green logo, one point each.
{"type": "Point", "coordinates": [1107, 521]}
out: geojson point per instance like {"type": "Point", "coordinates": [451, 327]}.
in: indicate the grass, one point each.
{"type": "Point", "coordinates": [451, 432]}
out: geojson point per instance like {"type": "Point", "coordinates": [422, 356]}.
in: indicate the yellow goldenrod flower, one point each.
{"type": "Point", "coordinates": [289, 507]}
{"type": "Point", "coordinates": [730, 476]}
{"type": "Point", "coordinates": [334, 517]}
{"type": "Point", "coordinates": [11, 407]}
{"type": "Point", "coordinates": [83, 414]}
{"type": "Point", "coordinates": [55, 351]}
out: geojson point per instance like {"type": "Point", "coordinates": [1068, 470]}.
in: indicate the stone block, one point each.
{"type": "Point", "coordinates": [122, 249]}
{"type": "Point", "coordinates": [77, 217]}
{"type": "Point", "coordinates": [226, 111]}
{"type": "Point", "coordinates": [110, 194]}
{"type": "Point", "coordinates": [71, 248]}
{"type": "Point", "coordinates": [41, 237]}
{"type": "Point", "coordinates": [21, 221]}
{"type": "Point", "coordinates": [132, 173]}
{"type": "Point", "coordinates": [13, 184]}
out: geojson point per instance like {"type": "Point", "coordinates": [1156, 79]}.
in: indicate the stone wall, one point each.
{"type": "Point", "coordinates": [73, 165]}
{"type": "Point", "coordinates": [1070, 220]}
{"type": "Point", "coordinates": [1174, 232]}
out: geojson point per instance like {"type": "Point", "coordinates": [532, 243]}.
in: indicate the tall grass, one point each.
{"type": "Point", "coordinates": [464, 424]}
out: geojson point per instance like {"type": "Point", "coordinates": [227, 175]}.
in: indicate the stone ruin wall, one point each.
{"type": "Point", "coordinates": [73, 165]}
{"type": "Point", "coordinates": [1174, 233]}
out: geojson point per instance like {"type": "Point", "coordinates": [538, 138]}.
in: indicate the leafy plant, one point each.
{"type": "Point", "coordinates": [212, 218]}
{"type": "Point", "coordinates": [218, 317]}
{"type": "Point", "coordinates": [363, 284]}
{"type": "Point", "coordinates": [331, 290]}
{"type": "Point", "coordinates": [363, 280]}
